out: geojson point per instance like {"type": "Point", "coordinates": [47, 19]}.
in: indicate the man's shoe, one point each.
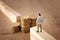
{"type": "Point", "coordinates": [40, 30]}
{"type": "Point", "coordinates": [37, 31]}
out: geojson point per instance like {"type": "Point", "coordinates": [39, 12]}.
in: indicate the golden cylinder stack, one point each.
{"type": "Point", "coordinates": [19, 19]}
{"type": "Point", "coordinates": [25, 23]}
{"type": "Point", "coordinates": [33, 22]}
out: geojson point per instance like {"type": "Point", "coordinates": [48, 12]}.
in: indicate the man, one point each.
{"type": "Point", "coordinates": [39, 21]}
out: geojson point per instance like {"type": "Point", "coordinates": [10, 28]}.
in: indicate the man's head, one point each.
{"type": "Point", "coordinates": [39, 14]}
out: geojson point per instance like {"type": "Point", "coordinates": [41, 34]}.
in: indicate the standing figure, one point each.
{"type": "Point", "coordinates": [38, 22]}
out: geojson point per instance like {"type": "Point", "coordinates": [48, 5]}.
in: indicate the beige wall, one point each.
{"type": "Point", "coordinates": [5, 24]}
{"type": "Point", "coordinates": [50, 10]}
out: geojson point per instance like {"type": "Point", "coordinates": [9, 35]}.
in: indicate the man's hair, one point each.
{"type": "Point", "coordinates": [39, 14]}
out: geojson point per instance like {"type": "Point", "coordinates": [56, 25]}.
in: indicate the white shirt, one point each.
{"type": "Point", "coordinates": [39, 20]}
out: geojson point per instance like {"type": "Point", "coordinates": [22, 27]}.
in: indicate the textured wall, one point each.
{"type": "Point", "coordinates": [50, 10]}
{"type": "Point", "coordinates": [5, 24]}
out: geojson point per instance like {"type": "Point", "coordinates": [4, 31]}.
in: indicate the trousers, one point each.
{"type": "Point", "coordinates": [39, 26]}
